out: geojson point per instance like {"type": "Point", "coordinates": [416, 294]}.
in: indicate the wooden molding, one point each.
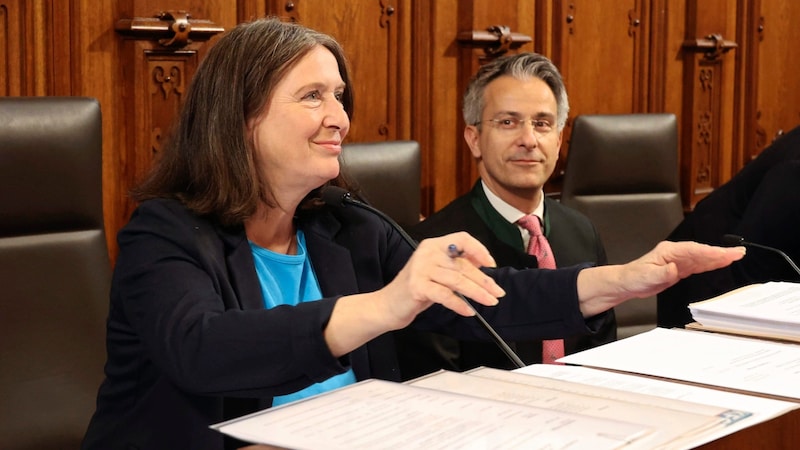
{"type": "Point", "coordinates": [495, 40]}
{"type": "Point", "coordinates": [712, 46]}
{"type": "Point", "coordinates": [172, 29]}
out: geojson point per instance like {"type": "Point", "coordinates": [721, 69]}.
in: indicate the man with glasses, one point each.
{"type": "Point", "coordinates": [515, 109]}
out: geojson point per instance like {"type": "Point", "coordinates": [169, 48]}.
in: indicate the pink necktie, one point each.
{"type": "Point", "coordinates": [540, 248]}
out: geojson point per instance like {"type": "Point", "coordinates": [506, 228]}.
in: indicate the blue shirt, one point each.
{"type": "Point", "coordinates": [290, 280]}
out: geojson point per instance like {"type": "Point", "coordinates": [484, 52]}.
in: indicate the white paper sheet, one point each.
{"type": "Point", "coordinates": [772, 307]}
{"type": "Point", "coordinates": [761, 409]}
{"type": "Point", "coordinates": [752, 365]}
{"type": "Point", "coordinates": [377, 414]}
{"type": "Point", "coordinates": [673, 427]}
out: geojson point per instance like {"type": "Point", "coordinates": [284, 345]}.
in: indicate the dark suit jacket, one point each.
{"type": "Point", "coordinates": [573, 240]}
{"type": "Point", "coordinates": [760, 203]}
{"type": "Point", "coordinates": [182, 355]}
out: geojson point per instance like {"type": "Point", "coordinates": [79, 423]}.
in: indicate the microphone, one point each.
{"type": "Point", "coordinates": [733, 239]}
{"type": "Point", "coordinates": [338, 197]}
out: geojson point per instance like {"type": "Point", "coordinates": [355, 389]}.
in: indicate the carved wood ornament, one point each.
{"type": "Point", "coordinates": [706, 110]}
{"type": "Point", "coordinates": [495, 40]}
{"type": "Point", "coordinates": [171, 29]}
{"type": "Point", "coordinates": [712, 46]}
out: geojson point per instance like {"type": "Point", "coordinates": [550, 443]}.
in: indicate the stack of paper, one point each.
{"type": "Point", "coordinates": [496, 409]}
{"type": "Point", "coordinates": [767, 310]}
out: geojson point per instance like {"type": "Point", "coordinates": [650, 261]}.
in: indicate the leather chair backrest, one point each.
{"type": "Point", "coordinates": [55, 273]}
{"type": "Point", "coordinates": [622, 172]}
{"type": "Point", "coordinates": [388, 176]}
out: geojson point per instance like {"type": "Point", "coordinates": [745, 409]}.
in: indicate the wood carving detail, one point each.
{"type": "Point", "coordinates": [387, 11]}
{"type": "Point", "coordinates": [155, 142]}
{"type": "Point", "coordinates": [634, 20]}
{"type": "Point", "coordinates": [706, 79]}
{"type": "Point", "coordinates": [495, 41]}
{"type": "Point", "coordinates": [708, 107]}
{"type": "Point", "coordinates": [704, 139]}
{"type": "Point", "coordinates": [171, 29]}
{"type": "Point", "coordinates": [712, 46]}
{"type": "Point", "coordinates": [180, 26]}
{"type": "Point", "coordinates": [291, 11]}
{"type": "Point", "coordinates": [167, 78]}
{"type": "Point", "coordinates": [570, 18]}
{"type": "Point", "coordinates": [167, 82]}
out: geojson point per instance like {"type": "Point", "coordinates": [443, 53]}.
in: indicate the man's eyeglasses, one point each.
{"type": "Point", "coordinates": [540, 126]}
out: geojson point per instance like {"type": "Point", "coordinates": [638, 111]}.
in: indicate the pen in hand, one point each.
{"type": "Point", "coordinates": [454, 251]}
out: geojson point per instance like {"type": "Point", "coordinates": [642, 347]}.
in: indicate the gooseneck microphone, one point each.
{"type": "Point", "coordinates": [733, 239]}
{"type": "Point", "coordinates": [338, 197]}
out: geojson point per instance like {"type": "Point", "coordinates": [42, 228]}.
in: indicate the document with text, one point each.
{"type": "Point", "coordinates": [743, 410]}
{"type": "Point", "coordinates": [733, 362]}
{"type": "Point", "coordinates": [378, 414]}
{"type": "Point", "coordinates": [675, 423]}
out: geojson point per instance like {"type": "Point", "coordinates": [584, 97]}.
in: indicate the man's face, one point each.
{"type": "Point", "coordinates": [517, 142]}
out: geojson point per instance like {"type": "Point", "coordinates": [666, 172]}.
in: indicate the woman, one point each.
{"type": "Point", "coordinates": [236, 288]}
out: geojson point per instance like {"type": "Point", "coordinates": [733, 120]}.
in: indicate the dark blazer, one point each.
{"type": "Point", "coordinates": [183, 356]}
{"type": "Point", "coordinates": [573, 240]}
{"type": "Point", "coordinates": [760, 203]}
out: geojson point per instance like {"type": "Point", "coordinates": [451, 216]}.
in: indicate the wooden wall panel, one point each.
{"type": "Point", "coordinates": [767, 86]}
{"type": "Point", "coordinates": [601, 54]}
{"type": "Point", "coordinates": [601, 49]}
{"type": "Point", "coordinates": [35, 47]}
{"type": "Point", "coordinates": [439, 123]}
{"type": "Point", "coordinates": [12, 49]}
{"type": "Point", "coordinates": [674, 17]}
{"type": "Point", "coordinates": [374, 34]}
{"type": "Point", "coordinates": [707, 115]}
{"type": "Point", "coordinates": [411, 64]}
{"type": "Point", "coordinates": [778, 84]}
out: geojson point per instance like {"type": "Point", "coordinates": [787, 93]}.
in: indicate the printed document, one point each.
{"type": "Point", "coordinates": [733, 362]}
{"type": "Point", "coordinates": [744, 410]}
{"type": "Point", "coordinates": [378, 414]}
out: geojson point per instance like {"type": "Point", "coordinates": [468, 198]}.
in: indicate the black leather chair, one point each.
{"type": "Point", "coordinates": [388, 176]}
{"type": "Point", "coordinates": [55, 272]}
{"type": "Point", "coordinates": [622, 172]}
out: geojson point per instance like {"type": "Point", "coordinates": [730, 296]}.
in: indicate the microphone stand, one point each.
{"type": "Point", "coordinates": [738, 240]}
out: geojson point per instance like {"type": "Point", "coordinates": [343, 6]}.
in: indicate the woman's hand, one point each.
{"type": "Point", "coordinates": [601, 288]}
{"type": "Point", "coordinates": [438, 268]}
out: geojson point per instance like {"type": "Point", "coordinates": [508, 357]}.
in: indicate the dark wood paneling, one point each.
{"type": "Point", "coordinates": [778, 97]}
{"type": "Point", "coordinates": [410, 68]}
{"type": "Point", "coordinates": [707, 121]}
{"type": "Point", "coordinates": [35, 48]}
{"type": "Point", "coordinates": [601, 49]}
{"type": "Point", "coordinates": [12, 48]}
